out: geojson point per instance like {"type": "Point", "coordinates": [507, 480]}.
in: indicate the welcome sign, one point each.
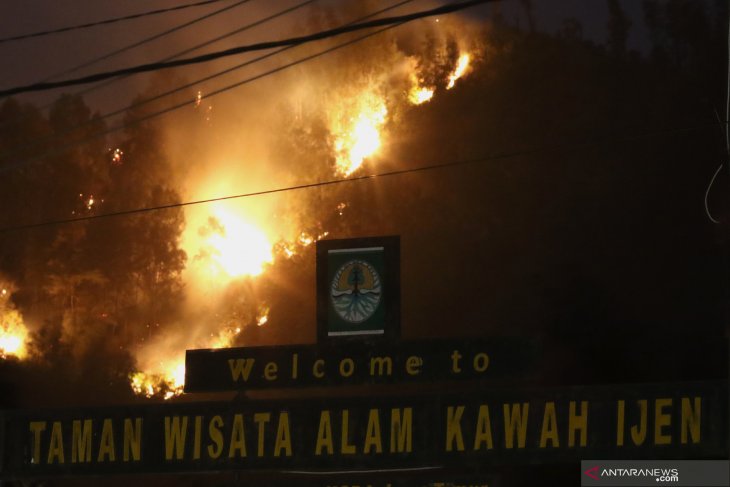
{"type": "Point", "coordinates": [465, 431]}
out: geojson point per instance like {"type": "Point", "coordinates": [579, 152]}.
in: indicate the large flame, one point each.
{"type": "Point", "coordinates": [356, 124]}
{"type": "Point", "coordinates": [230, 246]}
{"type": "Point", "coordinates": [13, 334]}
{"type": "Point", "coordinates": [240, 249]}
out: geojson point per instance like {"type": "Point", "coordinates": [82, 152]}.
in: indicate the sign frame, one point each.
{"type": "Point", "coordinates": [380, 257]}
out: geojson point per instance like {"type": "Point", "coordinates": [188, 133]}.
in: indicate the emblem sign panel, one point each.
{"type": "Point", "coordinates": [358, 288]}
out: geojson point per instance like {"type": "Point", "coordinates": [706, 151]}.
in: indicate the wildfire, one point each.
{"type": "Point", "coordinates": [356, 125]}
{"type": "Point", "coordinates": [168, 380]}
{"type": "Point", "coordinates": [236, 247]}
{"type": "Point", "coordinates": [13, 334]}
{"type": "Point", "coordinates": [461, 66]}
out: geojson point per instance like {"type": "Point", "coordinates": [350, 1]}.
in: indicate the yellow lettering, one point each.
{"type": "Point", "coordinates": [453, 428]}
{"type": "Point", "coordinates": [401, 430]}
{"type": "Point", "coordinates": [484, 429]}
{"type": "Point", "coordinates": [37, 427]}
{"type": "Point", "coordinates": [691, 419]}
{"type": "Point", "coordinates": [481, 362]}
{"type": "Point", "coordinates": [413, 365]}
{"type": "Point", "coordinates": [549, 426]}
{"type": "Point", "coordinates": [283, 436]}
{"type": "Point", "coordinates": [638, 432]}
{"type": "Point", "coordinates": [132, 439]}
{"type": "Point", "coordinates": [81, 442]}
{"type": "Point", "coordinates": [515, 420]}
{"type": "Point", "coordinates": [238, 437]}
{"type": "Point", "coordinates": [455, 357]}
{"type": "Point", "coordinates": [384, 364]}
{"type": "Point", "coordinates": [261, 419]}
{"type": "Point", "coordinates": [214, 431]}
{"type": "Point", "coordinates": [175, 432]}
{"type": "Point", "coordinates": [662, 419]}
{"type": "Point", "coordinates": [270, 371]}
{"type": "Point", "coordinates": [318, 368]}
{"type": "Point", "coordinates": [372, 434]}
{"type": "Point", "coordinates": [240, 368]}
{"type": "Point", "coordinates": [106, 444]}
{"type": "Point", "coordinates": [197, 438]}
{"type": "Point", "coordinates": [294, 365]}
{"type": "Point", "coordinates": [324, 434]}
{"type": "Point", "coordinates": [578, 423]}
{"type": "Point", "coordinates": [55, 449]}
{"type": "Point", "coordinates": [347, 367]}
{"type": "Point", "coordinates": [345, 448]}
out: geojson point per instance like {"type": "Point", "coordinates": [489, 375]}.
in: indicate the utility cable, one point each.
{"type": "Point", "coordinates": [727, 134]}
{"type": "Point", "coordinates": [106, 22]}
{"type": "Point", "coordinates": [397, 172]}
{"type": "Point", "coordinates": [159, 96]}
{"type": "Point", "coordinates": [205, 44]}
{"type": "Point", "coordinates": [137, 121]}
{"type": "Point", "coordinates": [141, 42]}
{"type": "Point", "coordinates": [242, 49]}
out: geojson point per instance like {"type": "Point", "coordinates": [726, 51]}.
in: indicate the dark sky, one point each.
{"type": "Point", "coordinates": [36, 59]}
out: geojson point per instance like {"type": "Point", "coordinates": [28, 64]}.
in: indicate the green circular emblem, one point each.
{"type": "Point", "coordinates": [355, 291]}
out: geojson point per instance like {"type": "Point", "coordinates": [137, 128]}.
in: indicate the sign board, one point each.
{"type": "Point", "coordinates": [359, 362]}
{"type": "Point", "coordinates": [452, 431]}
{"type": "Point", "coordinates": [358, 288]}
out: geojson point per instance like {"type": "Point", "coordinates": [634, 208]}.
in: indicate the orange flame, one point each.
{"type": "Point", "coordinates": [461, 66]}
{"type": "Point", "coordinates": [13, 333]}
{"type": "Point", "coordinates": [356, 124]}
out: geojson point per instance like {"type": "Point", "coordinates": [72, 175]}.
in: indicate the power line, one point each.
{"type": "Point", "coordinates": [398, 172]}
{"type": "Point", "coordinates": [143, 41]}
{"type": "Point", "coordinates": [206, 43]}
{"type": "Point", "coordinates": [111, 81]}
{"type": "Point", "coordinates": [242, 49]}
{"type": "Point", "coordinates": [106, 22]}
{"type": "Point", "coordinates": [178, 106]}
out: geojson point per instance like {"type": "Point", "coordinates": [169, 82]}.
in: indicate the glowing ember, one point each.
{"type": "Point", "coordinates": [237, 248]}
{"type": "Point", "coordinates": [90, 202]}
{"type": "Point", "coordinates": [305, 239]}
{"type": "Point", "coordinates": [461, 66]}
{"type": "Point", "coordinates": [341, 208]}
{"type": "Point", "coordinates": [13, 334]}
{"type": "Point", "coordinates": [356, 126]}
{"type": "Point", "coordinates": [263, 316]}
{"type": "Point", "coordinates": [198, 99]}
{"type": "Point", "coordinates": [117, 157]}
{"type": "Point", "coordinates": [420, 95]}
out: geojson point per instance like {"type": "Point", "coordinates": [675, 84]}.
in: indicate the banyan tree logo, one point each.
{"type": "Point", "coordinates": [356, 291]}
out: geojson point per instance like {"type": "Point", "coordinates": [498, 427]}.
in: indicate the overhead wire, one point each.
{"type": "Point", "coordinates": [397, 172]}
{"type": "Point", "coordinates": [143, 41]}
{"type": "Point", "coordinates": [129, 123]}
{"type": "Point", "coordinates": [205, 43]}
{"type": "Point", "coordinates": [727, 134]}
{"type": "Point", "coordinates": [145, 101]}
{"type": "Point", "coordinates": [148, 13]}
{"type": "Point", "coordinates": [143, 68]}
